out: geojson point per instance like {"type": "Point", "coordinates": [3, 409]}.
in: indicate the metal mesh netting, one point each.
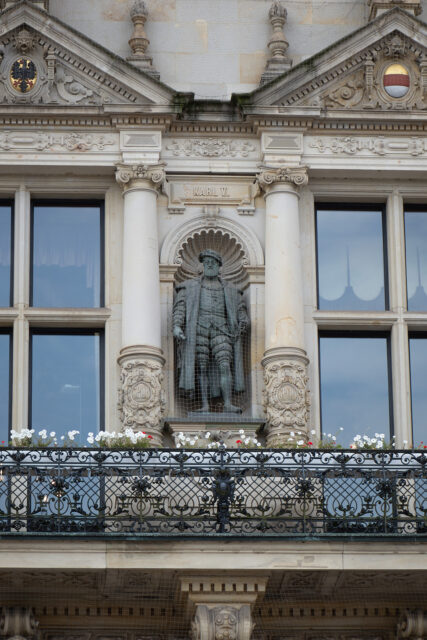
{"type": "Point", "coordinates": [134, 604]}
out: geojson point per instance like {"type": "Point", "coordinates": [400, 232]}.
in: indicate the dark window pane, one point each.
{"type": "Point", "coordinates": [5, 254]}
{"type": "Point", "coordinates": [350, 260]}
{"type": "Point", "coordinates": [4, 387]}
{"type": "Point", "coordinates": [66, 256]}
{"type": "Point", "coordinates": [418, 355]}
{"type": "Point", "coordinates": [416, 259]}
{"type": "Point", "coordinates": [66, 383]}
{"type": "Point", "coordinates": [354, 387]}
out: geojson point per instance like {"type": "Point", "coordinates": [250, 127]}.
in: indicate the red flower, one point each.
{"type": "Point", "coordinates": [143, 432]}
{"type": "Point", "coordinates": [310, 443]}
{"type": "Point", "coordinates": [151, 437]}
{"type": "Point", "coordinates": [238, 442]}
{"type": "Point", "coordinates": [425, 446]}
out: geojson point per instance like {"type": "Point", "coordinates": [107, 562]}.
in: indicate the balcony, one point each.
{"type": "Point", "coordinates": [172, 493]}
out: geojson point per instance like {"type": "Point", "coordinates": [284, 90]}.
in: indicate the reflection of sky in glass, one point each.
{"type": "Point", "coordinates": [350, 260]}
{"type": "Point", "coordinates": [66, 383]}
{"type": "Point", "coordinates": [416, 259]}
{"type": "Point", "coordinates": [4, 387]}
{"type": "Point", "coordinates": [66, 256]}
{"type": "Point", "coordinates": [354, 387]}
{"type": "Point", "coordinates": [418, 354]}
{"type": "Point", "coordinates": [5, 247]}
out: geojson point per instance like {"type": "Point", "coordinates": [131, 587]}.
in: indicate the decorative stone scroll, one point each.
{"type": "Point", "coordinates": [413, 625]}
{"type": "Point", "coordinates": [286, 398]}
{"type": "Point", "coordinates": [129, 176]}
{"type": "Point", "coordinates": [141, 398]}
{"type": "Point", "coordinates": [17, 623]}
{"type": "Point", "coordinates": [293, 176]}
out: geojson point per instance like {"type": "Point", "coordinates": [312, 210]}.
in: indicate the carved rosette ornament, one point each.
{"type": "Point", "coordinates": [141, 398]}
{"type": "Point", "coordinates": [286, 398]}
{"type": "Point", "coordinates": [222, 623]}
{"type": "Point", "coordinates": [291, 176]}
{"type": "Point", "coordinates": [17, 623]}
{"type": "Point", "coordinates": [140, 176]}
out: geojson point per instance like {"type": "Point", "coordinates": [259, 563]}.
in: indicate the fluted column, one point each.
{"type": "Point", "coordinates": [141, 396]}
{"type": "Point", "coordinates": [286, 400]}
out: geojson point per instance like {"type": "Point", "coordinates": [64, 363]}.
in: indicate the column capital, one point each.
{"type": "Point", "coordinates": [412, 625]}
{"type": "Point", "coordinates": [140, 176]}
{"type": "Point", "coordinates": [272, 178]}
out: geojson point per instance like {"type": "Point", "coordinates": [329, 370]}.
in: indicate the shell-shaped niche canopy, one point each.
{"type": "Point", "coordinates": [234, 259]}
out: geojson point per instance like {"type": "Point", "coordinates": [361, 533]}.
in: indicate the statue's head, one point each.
{"type": "Point", "coordinates": [211, 261]}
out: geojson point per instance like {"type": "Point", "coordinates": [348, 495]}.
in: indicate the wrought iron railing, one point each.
{"type": "Point", "coordinates": [165, 492]}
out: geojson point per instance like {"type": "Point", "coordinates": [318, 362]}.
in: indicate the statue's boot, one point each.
{"type": "Point", "coordinates": [203, 409]}
{"type": "Point", "coordinates": [230, 408]}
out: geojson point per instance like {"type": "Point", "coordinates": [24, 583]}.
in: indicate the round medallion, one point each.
{"type": "Point", "coordinates": [396, 81]}
{"type": "Point", "coordinates": [140, 393]}
{"type": "Point", "coordinates": [23, 75]}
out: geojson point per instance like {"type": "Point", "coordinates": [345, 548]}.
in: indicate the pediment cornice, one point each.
{"type": "Point", "coordinates": [72, 69]}
{"type": "Point", "coordinates": [347, 75]}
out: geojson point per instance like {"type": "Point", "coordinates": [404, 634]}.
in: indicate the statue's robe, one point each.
{"type": "Point", "coordinates": [186, 313]}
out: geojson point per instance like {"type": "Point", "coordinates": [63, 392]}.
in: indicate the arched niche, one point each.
{"type": "Point", "coordinates": [240, 250]}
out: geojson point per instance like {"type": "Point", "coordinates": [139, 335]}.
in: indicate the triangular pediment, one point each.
{"type": "Point", "coordinates": [59, 66]}
{"type": "Point", "coordinates": [350, 73]}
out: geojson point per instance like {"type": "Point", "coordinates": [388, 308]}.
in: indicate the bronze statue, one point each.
{"type": "Point", "coordinates": [209, 319]}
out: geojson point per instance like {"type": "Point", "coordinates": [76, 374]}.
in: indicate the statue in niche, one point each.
{"type": "Point", "coordinates": [209, 321]}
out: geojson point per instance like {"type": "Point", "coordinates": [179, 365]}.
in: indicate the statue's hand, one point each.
{"type": "Point", "coordinates": [178, 333]}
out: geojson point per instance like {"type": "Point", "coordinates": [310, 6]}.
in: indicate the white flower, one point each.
{"type": "Point", "coordinates": [300, 442]}
{"type": "Point", "coordinates": [292, 434]}
{"type": "Point", "coordinates": [313, 433]}
{"type": "Point", "coordinates": [43, 433]}
{"type": "Point", "coordinates": [341, 428]}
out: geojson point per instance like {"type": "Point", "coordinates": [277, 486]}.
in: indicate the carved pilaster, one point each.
{"type": "Point", "coordinates": [292, 177]}
{"type": "Point", "coordinates": [141, 176]}
{"type": "Point", "coordinates": [139, 41]}
{"type": "Point", "coordinates": [223, 605]}
{"type": "Point", "coordinates": [141, 396]}
{"type": "Point", "coordinates": [413, 625]}
{"type": "Point", "coordinates": [17, 623]}
{"type": "Point", "coordinates": [377, 7]}
{"type": "Point", "coordinates": [286, 397]}
{"type": "Point", "coordinates": [279, 62]}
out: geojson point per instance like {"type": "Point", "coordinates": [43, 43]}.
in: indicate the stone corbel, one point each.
{"type": "Point", "coordinates": [412, 625]}
{"type": "Point", "coordinates": [222, 605]}
{"type": "Point", "coordinates": [17, 623]}
{"type": "Point", "coordinates": [292, 177]}
{"type": "Point", "coordinates": [141, 176]}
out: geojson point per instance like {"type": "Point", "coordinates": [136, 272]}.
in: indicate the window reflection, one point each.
{"type": "Point", "coordinates": [416, 259]}
{"type": "Point", "coordinates": [66, 256]}
{"type": "Point", "coordinates": [66, 382]}
{"type": "Point", "coordinates": [418, 358]}
{"type": "Point", "coordinates": [4, 387]}
{"type": "Point", "coordinates": [354, 387]}
{"type": "Point", "coordinates": [350, 259]}
{"type": "Point", "coordinates": [5, 254]}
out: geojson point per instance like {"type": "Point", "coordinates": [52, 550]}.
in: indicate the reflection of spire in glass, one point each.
{"type": "Point", "coordinates": [418, 301]}
{"type": "Point", "coordinates": [349, 299]}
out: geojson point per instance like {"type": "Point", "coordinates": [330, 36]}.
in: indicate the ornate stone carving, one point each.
{"type": "Point", "coordinates": [278, 62]}
{"type": "Point", "coordinates": [211, 148]}
{"type": "Point", "coordinates": [379, 6]}
{"type": "Point", "coordinates": [139, 41]}
{"type": "Point", "coordinates": [24, 41]}
{"type": "Point", "coordinates": [413, 625]}
{"type": "Point", "coordinates": [127, 175]}
{"type": "Point", "coordinates": [368, 146]}
{"type": "Point", "coordinates": [286, 397]}
{"type": "Point", "coordinates": [348, 94]}
{"type": "Point", "coordinates": [36, 141]}
{"type": "Point", "coordinates": [141, 398]}
{"type": "Point", "coordinates": [295, 176]}
{"type": "Point", "coordinates": [17, 623]}
{"type": "Point", "coordinates": [222, 623]}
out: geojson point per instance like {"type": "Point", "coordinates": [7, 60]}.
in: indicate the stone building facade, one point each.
{"type": "Point", "coordinates": [223, 125]}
